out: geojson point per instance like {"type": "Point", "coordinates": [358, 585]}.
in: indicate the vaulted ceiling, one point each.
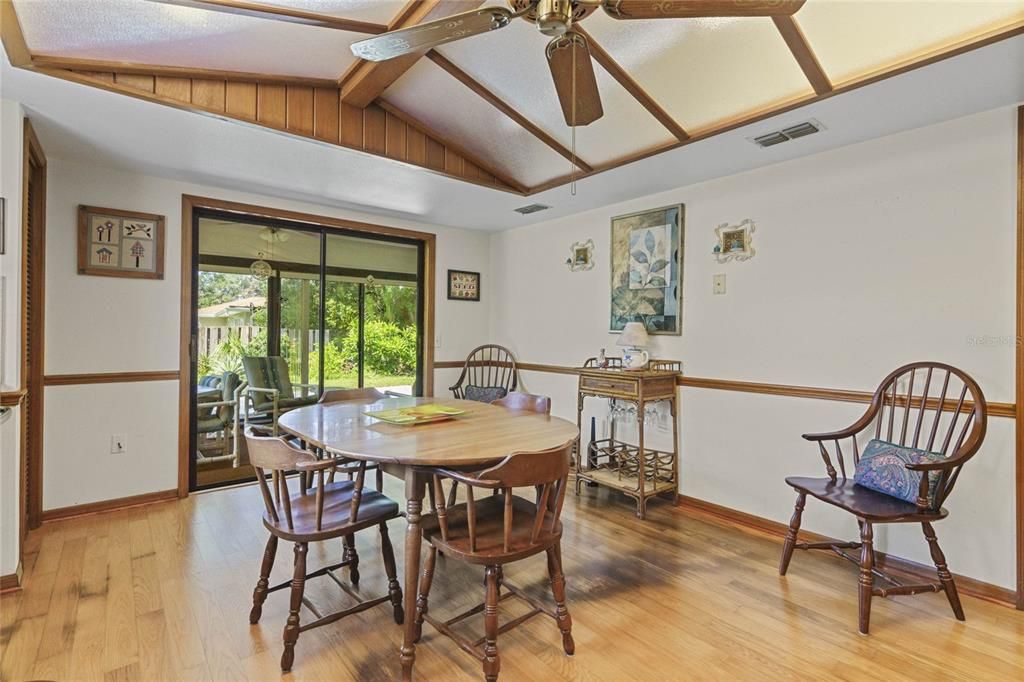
{"type": "Point", "coordinates": [484, 109]}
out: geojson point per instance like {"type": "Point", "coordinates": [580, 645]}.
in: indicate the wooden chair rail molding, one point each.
{"type": "Point", "coordinates": [110, 377]}
{"type": "Point", "coordinates": [1007, 410]}
{"type": "Point", "coordinates": [903, 568]}
{"type": "Point", "coordinates": [12, 398]}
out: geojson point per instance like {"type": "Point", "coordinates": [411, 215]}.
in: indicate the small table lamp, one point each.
{"type": "Point", "coordinates": [634, 338]}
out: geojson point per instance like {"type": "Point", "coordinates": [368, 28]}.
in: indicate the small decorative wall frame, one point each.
{"type": "Point", "coordinates": [735, 241]}
{"type": "Point", "coordinates": [581, 256]}
{"type": "Point", "coordinates": [115, 243]}
{"type": "Point", "coordinates": [463, 285]}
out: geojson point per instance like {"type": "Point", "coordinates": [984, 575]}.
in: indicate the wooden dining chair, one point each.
{"type": "Point", "coordinates": [344, 395]}
{"type": "Point", "coordinates": [489, 373]}
{"type": "Point", "coordinates": [528, 402]}
{"type": "Point", "coordinates": [334, 510]}
{"type": "Point", "coordinates": [935, 410]}
{"type": "Point", "coordinates": [494, 531]}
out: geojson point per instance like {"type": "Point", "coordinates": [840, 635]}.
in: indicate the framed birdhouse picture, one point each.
{"type": "Point", "coordinates": [115, 243]}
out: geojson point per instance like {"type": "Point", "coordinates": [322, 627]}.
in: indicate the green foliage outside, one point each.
{"type": "Point", "coordinates": [390, 328]}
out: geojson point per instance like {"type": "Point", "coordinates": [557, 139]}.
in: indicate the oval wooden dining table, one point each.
{"type": "Point", "coordinates": [484, 434]}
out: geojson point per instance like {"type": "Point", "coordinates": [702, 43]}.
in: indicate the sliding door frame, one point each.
{"type": "Point", "coordinates": [191, 204]}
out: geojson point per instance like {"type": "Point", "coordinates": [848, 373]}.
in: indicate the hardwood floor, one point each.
{"type": "Point", "coordinates": [163, 592]}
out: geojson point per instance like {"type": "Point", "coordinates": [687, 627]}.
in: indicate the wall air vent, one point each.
{"type": "Point", "coordinates": [532, 208]}
{"type": "Point", "coordinates": [786, 134]}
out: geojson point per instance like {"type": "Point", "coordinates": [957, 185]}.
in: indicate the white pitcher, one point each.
{"type": "Point", "coordinates": [634, 358]}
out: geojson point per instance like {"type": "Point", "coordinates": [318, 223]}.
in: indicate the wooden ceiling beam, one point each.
{"type": "Point", "coordinates": [804, 55]}
{"type": "Point", "coordinates": [366, 81]}
{"type": "Point", "coordinates": [12, 36]}
{"type": "Point", "coordinates": [505, 108]}
{"type": "Point", "coordinates": [454, 146]}
{"type": "Point", "coordinates": [632, 87]}
{"type": "Point", "coordinates": [76, 64]}
{"type": "Point", "coordinates": [279, 13]}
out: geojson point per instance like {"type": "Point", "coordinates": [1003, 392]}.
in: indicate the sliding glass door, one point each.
{"type": "Point", "coordinates": [283, 311]}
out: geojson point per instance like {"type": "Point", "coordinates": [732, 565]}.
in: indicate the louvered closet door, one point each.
{"type": "Point", "coordinates": [32, 338]}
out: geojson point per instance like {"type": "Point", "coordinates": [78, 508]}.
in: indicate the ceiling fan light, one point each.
{"type": "Point", "coordinates": [554, 17]}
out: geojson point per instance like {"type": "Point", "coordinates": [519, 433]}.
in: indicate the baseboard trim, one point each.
{"type": "Point", "coordinates": [12, 581]}
{"type": "Point", "coordinates": [108, 505]}
{"type": "Point", "coordinates": [897, 565]}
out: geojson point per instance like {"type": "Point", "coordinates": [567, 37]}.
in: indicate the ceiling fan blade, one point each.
{"type": "Point", "coordinates": [682, 9]}
{"type": "Point", "coordinates": [427, 35]}
{"type": "Point", "coordinates": [585, 107]}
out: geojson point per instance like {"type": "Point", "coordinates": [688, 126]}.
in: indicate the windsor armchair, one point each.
{"type": "Point", "coordinates": [334, 510]}
{"type": "Point", "coordinates": [498, 529]}
{"type": "Point", "coordinates": [935, 412]}
{"type": "Point", "coordinates": [488, 374]}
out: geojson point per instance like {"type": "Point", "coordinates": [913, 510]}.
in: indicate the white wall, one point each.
{"type": "Point", "coordinates": [106, 324]}
{"type": "Point", "coordinates": [10, 335]}
{"type": "Point", "coordinates": [869, 256]}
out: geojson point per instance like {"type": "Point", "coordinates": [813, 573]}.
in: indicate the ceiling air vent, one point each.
{"type": "Point", "coordinates": [532, 208]}
{"type": "Point", "coordinates": [786, 134]}
{"type": "Point", "coordinates": [771, 139]}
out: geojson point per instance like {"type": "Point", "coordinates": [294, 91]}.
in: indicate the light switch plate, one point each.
{"type": "Point", "coordinates": [118, 444]}
{"type": "Point", "coordinates": [718, 284]}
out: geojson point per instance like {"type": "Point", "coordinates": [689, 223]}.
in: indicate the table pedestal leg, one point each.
{"type": "Point", "coordinates": [414, 491]}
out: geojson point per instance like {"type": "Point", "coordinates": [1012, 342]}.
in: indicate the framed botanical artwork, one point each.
{"type": "Point", "coordinates": [115, 243]}
{"type": "Point", "coordinates": [734, 241]}
{"type": "Point", "coordinates": [463, 285]}
{"type": "Point", "coordinates": [647, 270]}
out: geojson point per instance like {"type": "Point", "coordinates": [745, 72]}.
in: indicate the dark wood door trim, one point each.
{"type": "Point", "coordinates": [190, 203]}
{"type": "Point", "coordinates": [33, 269]}
{"type": "Point", "coordinates": [1019, 426]}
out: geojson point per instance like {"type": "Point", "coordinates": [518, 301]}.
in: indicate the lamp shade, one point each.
{"type": "Point", "coordinates": [633, 334]}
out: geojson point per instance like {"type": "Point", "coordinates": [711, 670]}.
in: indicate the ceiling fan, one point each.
{"type": "Point", "coordinates": [568, 54]}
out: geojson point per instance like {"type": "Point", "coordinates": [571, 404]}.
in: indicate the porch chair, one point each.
{"type": "Point", "coordinates": [335, 510]}
{"type": "Point", "coordinates": [269, 390]}
{"type": "Point", "coordinates": [494, 531]}
{"type": "Point", "coordinates": [218, 415]}
{"type": "Point", "coordinates": [488, 374]}
{"type": "Point", "coordinates": [916, 480]}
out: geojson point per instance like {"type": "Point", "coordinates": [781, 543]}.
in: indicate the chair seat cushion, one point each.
{"type": "Point", "coordinates": [374, 508]}
{"type": "Point", "coordinates": [490, 515]}
{"type": "Point", "coordinates": [883, 467]}
{"type": "Point", "coordinates": [484, 394]}
{"type": "Point", "coordinates": [864, 502]}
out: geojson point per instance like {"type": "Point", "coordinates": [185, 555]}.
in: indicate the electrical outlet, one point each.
{"type": "Point", "coordinates": [718, 284]}
{"type": "Point", "coordinates": [437, 340]}
{"type": "Point", "coordinates": [118, 444]}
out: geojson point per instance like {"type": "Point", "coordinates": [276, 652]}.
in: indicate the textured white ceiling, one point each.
{"type": "Point", "coordinates": [376, 11]}
{"type": "Point", "coordinates": [511, 64]}
{"type": "Point", "coordinates": [221, 158]}
{"type": "Point", "coordinates": [432, 95]}
{"type": "Point", "coordinates": [852, 38]}
{"type": "Point", "coordinates": [703, 71]}
{"type": "Point", "coordinates": [156, 33]}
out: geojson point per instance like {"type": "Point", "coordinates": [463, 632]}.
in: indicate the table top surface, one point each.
{"type": "Point", "coordinates": [483, 434]}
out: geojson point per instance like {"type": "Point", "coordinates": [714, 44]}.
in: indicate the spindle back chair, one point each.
{"type": "Point", "coordinates": [493, 531]}
{"type": "Point", "coordinates": [334, 510]}
{"type": "Point", "coordinates": [923, 405]}
{"type": "Point", "coordinates": [527, 402]}
{"type": "Point", "coordinates": [487, 367]}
